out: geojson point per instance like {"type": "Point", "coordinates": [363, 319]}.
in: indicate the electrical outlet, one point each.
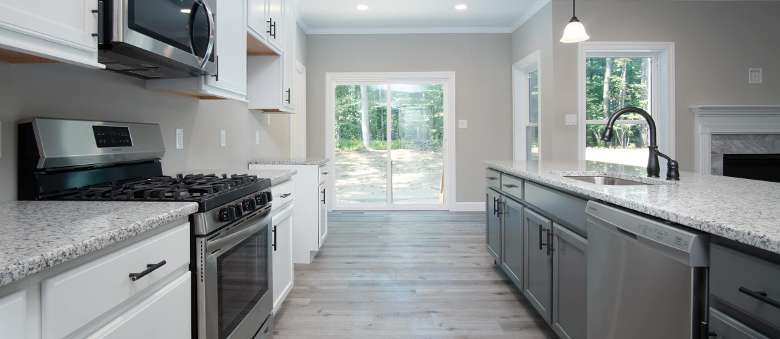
{"type": "Point", "coordinates": [257, 137]}
{"type": "Point", "coordinates": [222, 138]}
{"type": "Point", "coordinates": [463, 124]}
{"type": "Point", "coordinates": [571, 120]}
{"type": "Point", "coordinates": [755, 76]}
{"type": "Point", "coordinates": [179, 138]}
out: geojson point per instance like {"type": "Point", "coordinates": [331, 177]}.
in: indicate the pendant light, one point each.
{"type": "Point", "coordinates": [575, 30]}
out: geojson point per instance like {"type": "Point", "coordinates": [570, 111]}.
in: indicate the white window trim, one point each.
{"type": "Point", "coordinates": [446, 79]}
{"type": "Point", "coordinates": [663, 90]}
{"type": "Point", "coordinates": [520, 112]}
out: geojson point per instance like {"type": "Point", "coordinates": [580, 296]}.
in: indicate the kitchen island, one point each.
{"type": "Point", "coordinates": [594, 239]}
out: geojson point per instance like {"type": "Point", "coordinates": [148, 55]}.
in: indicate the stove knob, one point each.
{"type": "Point", "coordinates": [268, 196]}
{"type": "Point", "coordinates": [239, 212]}
{"type": "Point", "coordinates": [261, 200]}
{"type": "Point", "coordinates": [226, 214]}
{"type": "Point", "coordinates": [249, 205]}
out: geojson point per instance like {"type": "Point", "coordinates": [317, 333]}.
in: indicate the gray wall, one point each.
{"type": "Point", "coordinates": [59, 90]}
{"type": "Point", "coordinates": [536, 35]}
{"type": "Point", "coordinates": [716, 43]}
{"type": "Point", "coordinates": [481, 62]}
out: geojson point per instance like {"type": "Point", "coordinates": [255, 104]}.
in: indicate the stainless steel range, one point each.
{"type": "Point", "coordinates": [231, 233]}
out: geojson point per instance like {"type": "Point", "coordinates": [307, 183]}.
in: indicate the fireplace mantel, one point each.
{"type": "Point", "coordinates": [729, 119]}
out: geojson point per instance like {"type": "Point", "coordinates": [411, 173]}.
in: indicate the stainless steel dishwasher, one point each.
{"type": "Point", "coordinates": [646, 279]}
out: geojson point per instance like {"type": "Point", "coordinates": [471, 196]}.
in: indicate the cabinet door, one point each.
{"type": "Point", "coordinates": [275, 12]}
{"type": "Point", "coordinates": [164, 315]}
{"type": "Point", "coordinates": [60, 30]}
{"type": "Point", "coordinates": [13, 315]}
{"type": "Point", "coordinates": [570, 291]}
{"type": "Point", "coordinates": [493, 224]}
{"type": "Point", "coordinates": [538, 263]}
{"type": "Point", "coordinates": [512, 241]}
{"type": "Point", "coordinates": [282, 256]}
{"type": "Point", "coordinates": [257, 18]}
{"type": "Point", "coordinates": [323, 223]}
{"type": "Point", "coordinates": [231, 49]}
{"type": "Point", "coordinates": [290, 39]}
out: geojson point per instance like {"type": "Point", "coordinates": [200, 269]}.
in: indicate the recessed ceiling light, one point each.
{"type": "Point", "coordinates": [362, 7]}
{"type": "Point", "coordinates": [461, 7]}
{"type": "Point", "coordinates": [185, 10]}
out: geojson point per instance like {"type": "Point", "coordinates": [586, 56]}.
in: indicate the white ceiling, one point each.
{"type": "Point", "coordinates": [414, 16]}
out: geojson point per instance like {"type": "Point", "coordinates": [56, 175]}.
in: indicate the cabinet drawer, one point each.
{"type": "Point", "coordinates": [98, 286]}
{"type": "Point", "coordinates": [164, 315]}
{"type": "Point", "coordinates": [283, 193]}
{"type": "Point", "coordinates": [13, 315]}
{"type": "Point", "coordinates": [566, 208]}
{"type": "Point", "coordinates": [324, 173]}
{"type": "Point", "coordinates": [493, 179]}
{"type": "Point", "coordinates": [724, 327]}
{"type": "Point", "coordinates": [512, 186]}
{"type": "Point", "coordinates": [734, 276]}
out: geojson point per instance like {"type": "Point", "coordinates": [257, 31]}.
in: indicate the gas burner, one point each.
{"type": "Point", "coordinates": [206, 189]}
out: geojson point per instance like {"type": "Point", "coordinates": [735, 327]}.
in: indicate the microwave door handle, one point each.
{"type": "Point", "coordinates": [212, 35]}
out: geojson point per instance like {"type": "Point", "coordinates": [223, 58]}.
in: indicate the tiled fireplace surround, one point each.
{"type": "Point", "coordinates": [734, 130]}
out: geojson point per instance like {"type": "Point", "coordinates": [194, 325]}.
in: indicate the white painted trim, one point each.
{"type": "Point", "coordinates": [529, 13]}
{"type": "Point", "coordinates": [520, 112]}
{"type": "Point", "coordinates": [664, 52]}
{"type": "Point", "coordinates": [447, 79]}
{"type": "Point", "coordinates": [478, 206]}
{"type": "Point", "coordinates": [410, 30]}
{"type": "Point", "coordinates": [729, 119]}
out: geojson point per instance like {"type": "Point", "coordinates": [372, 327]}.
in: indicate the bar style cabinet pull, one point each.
{"type": "Point", "coordinates": [149, 269]}
{"type": "Point", "coordinates": [274, 243]}
{"type": "Point", "coordinates": [761, 296]}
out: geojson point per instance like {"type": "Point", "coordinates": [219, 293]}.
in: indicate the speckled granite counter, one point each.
{"type": "Point", "coordinates": [38, 235]}
{"type": "Point", "coordinates": [742, 210]}
{"type": "Point", "coordinates": [307, 161]}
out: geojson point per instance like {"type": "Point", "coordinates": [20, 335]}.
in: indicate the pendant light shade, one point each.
{"type": "Point", "coordinates": [575, 30]}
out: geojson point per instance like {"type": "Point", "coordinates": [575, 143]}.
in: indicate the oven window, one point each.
{"type": "Point", "coordinates": [242, 275]}
{"type": "Point", "coordinates": [164, 20]}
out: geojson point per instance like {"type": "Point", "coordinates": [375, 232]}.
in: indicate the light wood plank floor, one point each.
{"type": "Point", "coordinates": [405, 275]}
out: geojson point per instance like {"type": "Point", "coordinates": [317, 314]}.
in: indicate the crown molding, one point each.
{"type": "Point", "coordinates": [529, 13]}
{"type": "Point", "coordinates": [408, 30]}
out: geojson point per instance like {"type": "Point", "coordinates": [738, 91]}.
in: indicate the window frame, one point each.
{"type": "Point", "coordinates": [521, 112]}
{"type": "Point", "coordinates": [662, 91]}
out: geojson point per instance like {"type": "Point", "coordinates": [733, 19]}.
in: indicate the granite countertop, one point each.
{"type": "Point", "coordinates": [38, 235]}
{"type": "Point", "coordinates": [277, 176]}
{"type": "Point", "coordinates": [742, 210]}
{"type": "Point", "coordinates": [298, 161]}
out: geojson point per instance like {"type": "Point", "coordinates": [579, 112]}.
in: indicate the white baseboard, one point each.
{"type": "Point", "coordinates": [469, 207]}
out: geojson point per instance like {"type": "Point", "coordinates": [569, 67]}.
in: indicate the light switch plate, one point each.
{"type": "Point", "coordinates": [257, 137]}
{"type": "Point", "coordinates": [755, 76]}
{"type": "Point", "coordinates": [222, 138]}
{"type": "Point", "coordinates": [179, 138]}
{"type": "Point", "coordinates": [463, 124]}
{"type": "Point", "coordinates": [571, 120]}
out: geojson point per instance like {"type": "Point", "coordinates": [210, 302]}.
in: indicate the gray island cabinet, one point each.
{"type": "Point", "coordinates": [537, 232]}
{"type": "Point", "coordinates": [537, 236]}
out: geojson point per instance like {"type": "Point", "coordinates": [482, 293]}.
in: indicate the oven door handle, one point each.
{"type": "Point", "coordinates": [229, 240]}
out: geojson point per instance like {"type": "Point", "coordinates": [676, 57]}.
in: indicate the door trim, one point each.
{"type": "Point", "coordinates": [447, 79]}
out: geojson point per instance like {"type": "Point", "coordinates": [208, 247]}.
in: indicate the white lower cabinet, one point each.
{"type": "Point", "coordinates": [13, 315]}
{"type": "Point", "coordinates": [164, 315]}
{"type": "Point", "coordinates": [98, 297]}
{"type": "Point", "coordinates": [282, 255]}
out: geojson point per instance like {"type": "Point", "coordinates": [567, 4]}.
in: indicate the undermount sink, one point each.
{"type": "Point", "coordinates": [604, 180]}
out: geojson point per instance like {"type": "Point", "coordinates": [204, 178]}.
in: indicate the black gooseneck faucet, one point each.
{"type": "Point", "coordinates": [653, 168]}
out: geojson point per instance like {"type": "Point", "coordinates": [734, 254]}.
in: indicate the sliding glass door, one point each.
{"type": "Point", "coordinates": [389, 140]}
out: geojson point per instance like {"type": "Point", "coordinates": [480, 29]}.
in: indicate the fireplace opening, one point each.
{"type": "Point", "coordinates": [752, 166]}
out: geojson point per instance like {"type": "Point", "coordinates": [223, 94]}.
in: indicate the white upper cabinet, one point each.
{"type": "Point", "coordinates": [55, 30]}
{"type": "Point", "coordinates": [265, 27]}
{"type": "Point", "coordinates": [271, 76]}
{"type": "Point", "coordinates": [230, 81]}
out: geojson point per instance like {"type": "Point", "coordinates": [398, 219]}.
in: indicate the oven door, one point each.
{"type": "Point", "coordinates": [182, 30]}
{"type": "Point", "coordinates": [238, 287]}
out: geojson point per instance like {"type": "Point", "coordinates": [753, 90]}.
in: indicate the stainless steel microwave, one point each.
{"type": "Point", "coordinates": [155, 39]}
